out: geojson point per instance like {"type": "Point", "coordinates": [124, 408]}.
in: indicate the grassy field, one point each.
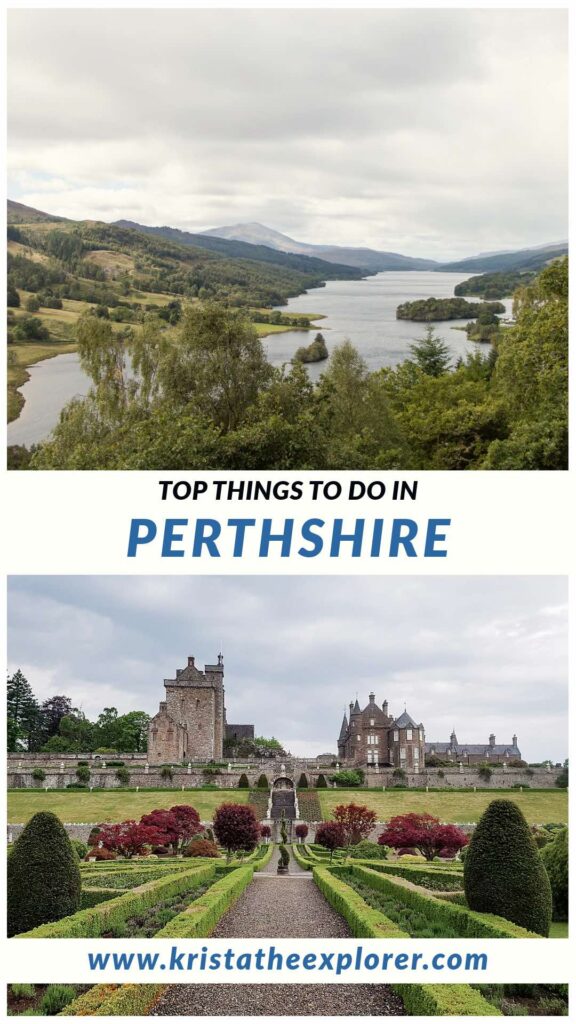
{"type": "Point", "coordinates": [462, 806]}
{"type": "Point", "coordinates": [115, 805]}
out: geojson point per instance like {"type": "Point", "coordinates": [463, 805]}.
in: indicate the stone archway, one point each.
{"type": "Point", "coordinates": [283, 782]}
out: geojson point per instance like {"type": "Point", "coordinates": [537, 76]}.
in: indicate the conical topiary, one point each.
{"type": "Point", "coordinates": [503, 870]}
{"type": "Point", "coordinates": [43, 875]}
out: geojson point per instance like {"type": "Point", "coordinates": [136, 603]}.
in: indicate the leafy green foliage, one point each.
{"type": "Point", "coordinates": [503, 870]}
{"type": "Point", "coordinates": [43, 875]}
{"type": "Point", "coordinates": [555, 858]}
{"type": "Point", "coordinates": [445, 309]}
{"type": "Point", "coordinates": [202, 396]}
{"type": "Point", "coordinates": [495, 285]}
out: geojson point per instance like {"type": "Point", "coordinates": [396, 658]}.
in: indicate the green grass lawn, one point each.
{"type": "Point", "coordinates": [558, 930]}
{"type": "Point", "coordinates": [460, 806]}
{"type": "Point", "coordinates": [77, 805]}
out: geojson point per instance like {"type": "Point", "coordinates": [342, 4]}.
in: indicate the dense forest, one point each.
{"type": "Point", "coordinates": [497, 285]}
{"type": "Point", "coordinates": [64, 260]}
{"type": "Point", "coordinates": [428, 310]}
{"type": "Point", "coordinates": [205, 397]}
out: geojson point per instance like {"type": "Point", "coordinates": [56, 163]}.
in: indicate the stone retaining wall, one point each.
{"type": "Point", "coordinates": [61, 773]}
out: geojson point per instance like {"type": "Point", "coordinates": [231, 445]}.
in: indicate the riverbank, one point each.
{"type": "Point", "coordinates": [22, 355]}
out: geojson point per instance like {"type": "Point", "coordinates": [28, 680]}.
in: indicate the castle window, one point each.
{"type": "Point", "coordinates": [416, 754]}
{"type": "Point", "coordinates": [408, 734]}
{"type": "Point", "coordinates": [403, 754]}
{"type": "Point", "coordinates": [371, 721]}
{"type": "Point", "coordinates": [396, 735]}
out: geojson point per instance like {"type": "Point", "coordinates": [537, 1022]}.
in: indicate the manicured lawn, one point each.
{"type": "Point", "coordinates": [558, 930]}
{"type": "Point", "coordinates": [116, 805]}
{"type": "Point", "coordinates": [463, 806]}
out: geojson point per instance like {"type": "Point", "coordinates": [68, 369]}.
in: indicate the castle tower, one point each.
{"type": "Point", "coordinates": [191, 721]}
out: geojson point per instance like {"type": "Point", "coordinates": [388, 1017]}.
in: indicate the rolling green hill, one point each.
{"type": "Point", "coordinates": [524, 259]}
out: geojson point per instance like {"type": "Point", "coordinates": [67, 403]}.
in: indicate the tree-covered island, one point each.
{"type": "Point", "coordinates": [427, 310]}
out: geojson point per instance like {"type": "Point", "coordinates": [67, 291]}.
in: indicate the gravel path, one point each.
{"type": "Point", "coordinates": [280, 907]}
{"type": "Point", "coordinates": [279, 1001]}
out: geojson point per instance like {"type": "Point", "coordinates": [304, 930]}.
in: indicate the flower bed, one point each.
{"type": "Point", "coordinates": [100, 920]}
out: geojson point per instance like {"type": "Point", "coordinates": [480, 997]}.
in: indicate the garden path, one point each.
{"type": "Point", "coordinates": [280, 907]}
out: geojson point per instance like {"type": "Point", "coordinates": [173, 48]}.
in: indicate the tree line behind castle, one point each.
{"type": "Point", "coordinates": [159, 400]}
{"type": "Point", "coordinates": [55, 726]}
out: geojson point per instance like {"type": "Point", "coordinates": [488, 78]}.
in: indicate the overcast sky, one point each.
{"type": "Point", "coordinates": [482, 654]}
{"type": "Point", "coordinates": [430, 132]}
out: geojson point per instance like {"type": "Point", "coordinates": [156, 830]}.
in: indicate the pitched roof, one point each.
{"type": "Point", "coordinates": [472, 748]}
{"type": "Point", "coordinates": [405, 721]}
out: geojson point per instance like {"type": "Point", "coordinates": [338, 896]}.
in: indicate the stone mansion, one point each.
{"type": "Point", "coordinates": [191, 725]}
{"type": "Point", "coordinates": [372, 736]}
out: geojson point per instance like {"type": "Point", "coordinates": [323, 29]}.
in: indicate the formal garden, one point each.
{"type": "Point", "coordinates": [170, 875]}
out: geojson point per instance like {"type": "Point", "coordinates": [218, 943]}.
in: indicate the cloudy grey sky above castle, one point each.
{"type": "Point", "coordinates": [431, 132]}
{"type": "Point", "coordinates": [481, 654]}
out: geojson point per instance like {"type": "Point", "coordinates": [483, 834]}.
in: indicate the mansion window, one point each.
{"type": "Point", "coordinates": [373, 740]}
{"type": "Point", "coordinates": [421, 734]}
{"type": "Point", "coordinates": [408, 734]}
{"type": "Point", "coordinates": [416, 754]}
{"type": "Point", "coordinates": [371, 722]}
{"type": "Point", "coordinates": [402, 754]}
{"type": "Point", "coordinates": [396, 735]}
{"type": "Point", "coordinates": [372, 757]}
{"type": "Point", "coordinates": [358, 738]}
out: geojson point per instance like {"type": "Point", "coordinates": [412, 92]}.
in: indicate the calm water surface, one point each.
{"type": "Point", "coordinates": [362, 311]}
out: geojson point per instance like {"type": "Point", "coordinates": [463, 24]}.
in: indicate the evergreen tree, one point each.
{"type": "Point", "coordinates": [23, 713]}
{"type": "Point", "coordinates": [43, 875]}
{"type": "Point", "coordinates": [503, 870]}
{"type": "Point", "coordinates": [431, 354]}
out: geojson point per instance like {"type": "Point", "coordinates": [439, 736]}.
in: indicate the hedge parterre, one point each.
{"type": "Point", "coordinates": [99, 920]}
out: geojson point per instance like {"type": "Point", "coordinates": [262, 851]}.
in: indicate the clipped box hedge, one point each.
{"type": "Point", "coordinates": [469, 924]}
{"type": "Point", "coordinates": [115, 1001]}
{"type": "Point", "coordinates": [364, 921]}
{"type": "Point", "coordinates": [445, 1001]}
{"type": "Point", "coordinates": [307, 863]}
{"type": "Point", "coordinates": [416, 873]}
{"type": "Point", "coordinates": [92, 897]}
{"type": "Point", "coordinates": [202, 916]}
{"type": "Point", "coordinates": [265, 856]}
{"type": "Point", "coordinates": [92, 922]}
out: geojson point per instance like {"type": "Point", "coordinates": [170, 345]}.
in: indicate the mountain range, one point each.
{"type": "Point", "coordinates": [257, 242]}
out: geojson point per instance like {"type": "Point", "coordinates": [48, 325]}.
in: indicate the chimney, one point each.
{"type": "Point", "coordinates": [492, 740]}
{"type": "Point", "coordinates": [190, 661]}
{"type": "Point", "coordinates": [371, 697]}
{"type": "Point", "coordinates": [385, 707]}
{"type": "Point", "coordinates": [514, 740]}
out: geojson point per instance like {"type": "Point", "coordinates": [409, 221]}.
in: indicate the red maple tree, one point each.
{"type": "Point", "coordinates": [423, 832]}
{"type": "Point", "coordinates": [236, 827]}
{"type": "Point", "coordinates": [301, 831]}
{"type": "Point", "coordinates": [356, 821]}
{"type": "Point", "coordinates": [330, 835]}
{"type": "Point", "coordinates": [178, 825]}
{"type": "Point", "coordinates": [129, 838]}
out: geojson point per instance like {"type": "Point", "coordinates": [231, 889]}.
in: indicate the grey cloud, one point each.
{"type": "Point", "coordinates": [481, 654]}
{"type": "Point", "coordinates": [406, 129]}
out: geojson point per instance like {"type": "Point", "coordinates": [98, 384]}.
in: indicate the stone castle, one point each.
{"type": "Point", "coordinates": [372, 736]}
{"type": "Point", "coordinates": [191, 726]}
{"type": "Point", "coordinates": [191, 723]}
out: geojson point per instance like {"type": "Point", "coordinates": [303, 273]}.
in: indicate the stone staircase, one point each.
{"type": "Point", "coordinates": [283, 804]}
